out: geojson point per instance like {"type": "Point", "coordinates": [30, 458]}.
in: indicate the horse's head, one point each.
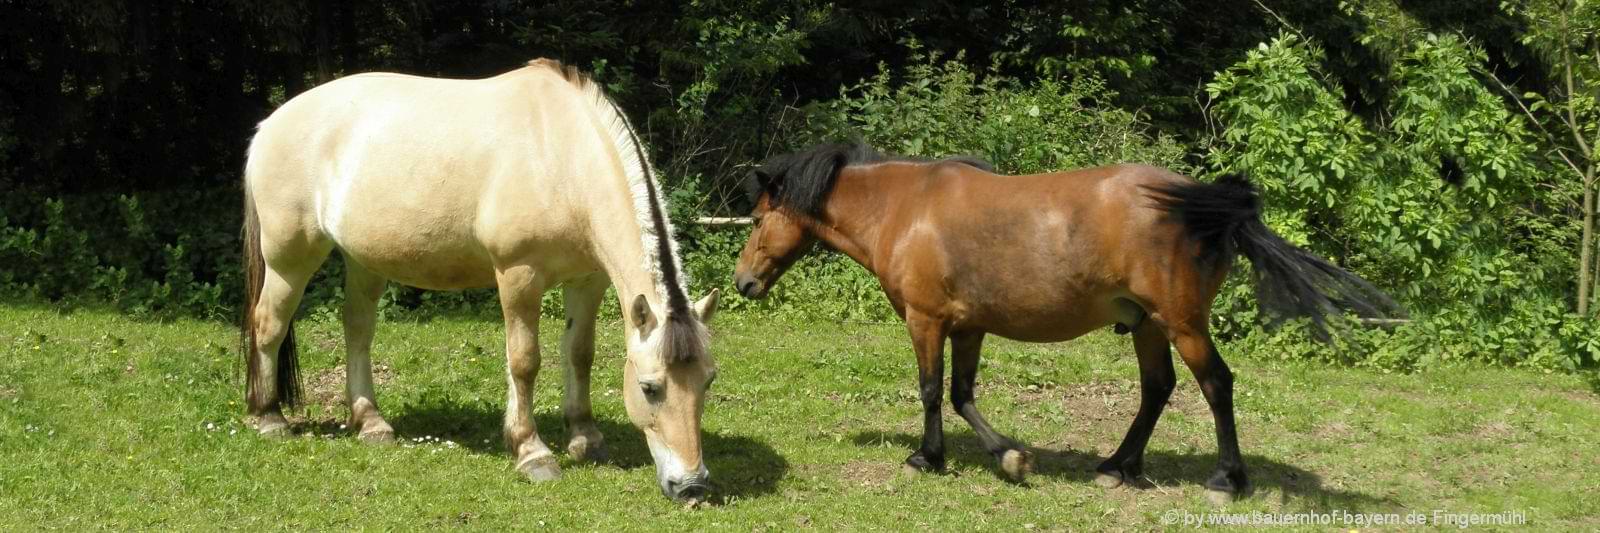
{"type": "Point", "coordinates": [664, 383]}
{"type": "Point", "coordinates": [781, 237]}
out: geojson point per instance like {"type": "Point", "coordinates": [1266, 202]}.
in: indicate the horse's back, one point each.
{"type": "Point", "coordinates": [1041, 257]}
{"type": "Point", "coordinates": [401, 172]}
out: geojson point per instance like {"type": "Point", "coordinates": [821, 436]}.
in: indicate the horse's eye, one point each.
{"type": "Point", "coordinates": [651, 389]}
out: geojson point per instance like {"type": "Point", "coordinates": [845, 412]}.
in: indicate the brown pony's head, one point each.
{"type": "Point", "coordinates": [788, 191]}
{"type": "Point", "coordinates": [781, 237]}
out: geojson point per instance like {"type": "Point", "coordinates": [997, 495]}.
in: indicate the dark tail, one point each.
{"type": "Point", "coordinates": [1290, 282]}
{"type": "Point", "coordinates": [287, 385]}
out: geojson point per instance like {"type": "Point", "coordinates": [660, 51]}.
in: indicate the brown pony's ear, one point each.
{"type": "Point", "coordinates": [760, 183]}
{"type": "Point", "coordinates": [770, 184]}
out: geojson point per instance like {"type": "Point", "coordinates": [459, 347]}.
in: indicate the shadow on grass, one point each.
{"type": "Point", "coordinates": [740, 466]}
{"type": "Point", "coordinates": [1161, 468]}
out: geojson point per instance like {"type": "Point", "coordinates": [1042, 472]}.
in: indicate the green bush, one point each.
{"type": "Point", "coordinates": [1481, 262]}
{"type": "Point", "coordinates": [938, 108]}
{"type": "Point", "coordinates": [178, 258]}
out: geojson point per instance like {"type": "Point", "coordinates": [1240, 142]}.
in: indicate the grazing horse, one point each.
{"type": "Point", "coordinates": [962, 253]}
{"type": "Point", "coordinates": [523, 181]}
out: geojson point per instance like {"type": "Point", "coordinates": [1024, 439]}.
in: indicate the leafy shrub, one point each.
{"type": "Point", "coordinates": [938, 108]}
{"type": "Point", "coordinates": [1439, 205]}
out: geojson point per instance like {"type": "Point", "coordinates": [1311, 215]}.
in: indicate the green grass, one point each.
{"type": "Point", "coordinates": [111, 421]}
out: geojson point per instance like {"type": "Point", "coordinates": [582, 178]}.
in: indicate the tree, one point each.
{"type": "Point", "coordinates": [1564, 31]}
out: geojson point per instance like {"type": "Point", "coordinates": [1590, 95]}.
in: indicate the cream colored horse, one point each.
{"type": "Point", "coordinates": [523, 181]}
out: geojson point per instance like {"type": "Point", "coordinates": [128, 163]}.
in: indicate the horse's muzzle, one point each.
{"type": "Point", "coordinates": [694, 488]}
{"type": "Point", "coordinates": [749, 286]}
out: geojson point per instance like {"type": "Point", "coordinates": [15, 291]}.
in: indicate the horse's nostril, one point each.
{"type": "Point", "coordinates": [746, 287]}
{"type": "Point", "coordinates": [692, 491]}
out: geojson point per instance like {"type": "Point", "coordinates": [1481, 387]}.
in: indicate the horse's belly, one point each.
{"type": "Point", "coordinates": [1051, 325]}
{"type": "Point", "coordinates": [1039, 312]}
{"type": "Point", "coordinates": [420, 253]}
{"type": "Point", "coordinates": [428, 267]}
{"type": "Point", "coordinates": [434, 271]}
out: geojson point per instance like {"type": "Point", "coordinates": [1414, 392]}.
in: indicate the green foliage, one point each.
{"type": "Point", "coordinates": [101, 248]}
{"type": "Point", "coordinates": [1473, 256]}
{"type": "Point", "coordinates": [938, 107]}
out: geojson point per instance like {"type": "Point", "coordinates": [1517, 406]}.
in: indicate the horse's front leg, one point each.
{"type": "Point", "coordinates": [520, 290]}
{"type": "Point", "coordinates": [581, 298]}
{"type": "Point", "coordinates": [927, 337]}
{"type": "Point", "coordinates": [965, 347]}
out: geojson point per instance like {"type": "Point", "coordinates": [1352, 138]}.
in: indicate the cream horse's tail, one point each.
{"type": "Point", "coordinates": [255, 270]}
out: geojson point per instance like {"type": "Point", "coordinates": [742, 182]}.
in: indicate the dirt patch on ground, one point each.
{"type": "Point", "coordinates": [1100, 401]}
{"type": "Point", "coordinates": [868, 473]}
{"type": "Point", "coordinates": [8, 392]}
{"type": "Point", "coordinates": [1335, 430]}
{"type": "Point", "coordinates": [1498, 430]}
{"type": "Point", "coordinates": [326, 387]}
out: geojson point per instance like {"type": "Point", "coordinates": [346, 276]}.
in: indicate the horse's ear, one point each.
{"type": "Point", "coordinates": [707, 306]}
{"type": "Point", "coordinates": [769, 183]}
{"type": "Point", "coordinates": [643, 319]}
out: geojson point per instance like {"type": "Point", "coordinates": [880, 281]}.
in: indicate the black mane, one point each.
{"type": "Point", "coordinates": [802, 179]}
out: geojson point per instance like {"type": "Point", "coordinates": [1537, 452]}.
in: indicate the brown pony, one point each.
{"type": "Point", "coordinates": [962, 253]}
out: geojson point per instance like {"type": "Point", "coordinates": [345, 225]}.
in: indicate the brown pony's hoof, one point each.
{"type": "Point", "coordinates": [1109, 480]}
{"type": "Point", "coordinates": [543, 468]}
{"type": "Point", "coordinates": [918, 463]}
{"type": "Point", "coordinates": [1219, 497]}
{"type": "Point", "coordinates": [1016, 464]}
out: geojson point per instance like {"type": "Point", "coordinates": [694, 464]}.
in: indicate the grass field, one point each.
{"type": "Point", "coordinates": [109, 421]}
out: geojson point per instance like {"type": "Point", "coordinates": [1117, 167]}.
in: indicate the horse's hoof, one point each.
{"type": "Point", "coordinates": [272, 426]}
{"type": "Point", "coordinates": [384, 435]}
{"type": "Point", "coordinates": [921, 464]}
{"type": "Point", "coordinates": [541, 469]}
{"type": "Point", "coordinates": [1017, 464]}
{"type": "Point", "coordinates": [1226, 486]}
{"type": "Point", "coordinates": [1108, 480]}
{"type": "Point", "coordinates": [1220, 497]}
{"type": "Point", "coordinates": [587, 451]}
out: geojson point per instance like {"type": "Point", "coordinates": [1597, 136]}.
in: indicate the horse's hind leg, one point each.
{"type": "Point", "coordinates": [965, 350]}
{"type": "Point", "coordinates": [288, 269]}
{"type": "Point", "coordinates": [362, 289]}
{"type": "Point", "coordinates": [1156, 380]}
{"type": "Point", "coordinates": [1199, 353]}
{"type": "Point", "coordinates": [520, 291]}
{"type": "Point", "coordinates": [581, 298]}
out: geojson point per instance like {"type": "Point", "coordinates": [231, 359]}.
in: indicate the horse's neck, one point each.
{"type": "Point", "coordinates": [852, 217]}
{"type": "Point", "coordinates": [621, 253]}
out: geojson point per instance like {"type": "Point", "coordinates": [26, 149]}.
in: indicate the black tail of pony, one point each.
{"type": "Point", "coordinates": [1290, 282]}
{"type": "Point", "coordinates": [286, 388]}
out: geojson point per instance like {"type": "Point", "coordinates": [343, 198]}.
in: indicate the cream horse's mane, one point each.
{"type": "Point", "coordinates": [685, 337]}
